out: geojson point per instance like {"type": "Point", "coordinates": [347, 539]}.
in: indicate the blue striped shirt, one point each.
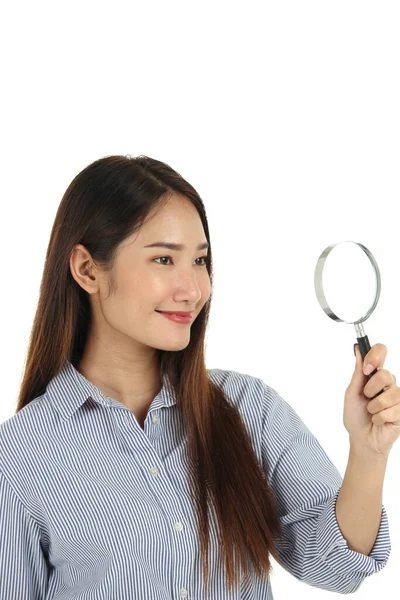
{"type": "Point", "coordinates": [94, 507]}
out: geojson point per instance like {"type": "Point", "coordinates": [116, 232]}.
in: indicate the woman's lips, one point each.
{"type": "Point", "coordinates": [176, 318]}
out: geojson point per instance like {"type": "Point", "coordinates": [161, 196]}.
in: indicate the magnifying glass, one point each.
{"type": "Point", "coordinates": [348, 274]}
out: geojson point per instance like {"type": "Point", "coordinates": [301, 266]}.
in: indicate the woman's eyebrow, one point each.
{"type": "Point", "coordinates": [171, 246]}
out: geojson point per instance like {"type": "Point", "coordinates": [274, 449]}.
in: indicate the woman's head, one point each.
{"type": "Point", "coordinates": [97, 261]}
{"type": "Point", "coordinates": [98, 273]}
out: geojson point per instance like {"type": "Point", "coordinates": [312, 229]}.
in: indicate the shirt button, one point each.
{"type": "Point", "coordinates": [156, 419]}
{"type": "Point", "coordinates": [183, 593]}
{"type": "Point", "coordinates": [154, 471]}
{"type": "Point", "coordinates": [178, 526]}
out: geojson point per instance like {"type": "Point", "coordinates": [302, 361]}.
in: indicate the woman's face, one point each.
{"type": "Point", "coordinates": [146, 282]}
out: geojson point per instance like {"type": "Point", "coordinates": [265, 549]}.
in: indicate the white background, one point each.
{"type": "Point", "coordinates": [285, 118]}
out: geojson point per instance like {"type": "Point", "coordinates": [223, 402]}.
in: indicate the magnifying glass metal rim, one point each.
{"type": "Point", "coordinates": [319, 288]}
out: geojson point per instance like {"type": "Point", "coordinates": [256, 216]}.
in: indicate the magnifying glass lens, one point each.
{"type": "Point", "coordinates": [349, 281]}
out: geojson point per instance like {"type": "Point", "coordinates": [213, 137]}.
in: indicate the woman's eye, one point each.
{"type": "Point", "coordinates": [205, 258]}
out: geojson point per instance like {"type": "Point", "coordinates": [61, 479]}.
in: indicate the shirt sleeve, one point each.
{"type": "Point", "coordinates": [23, 566]}
{"type": "Point", "coordinates": [307, 484]}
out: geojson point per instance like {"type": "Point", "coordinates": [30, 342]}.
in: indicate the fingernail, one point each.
{"type": "Point", "coordinates": [368, 369]}
{"type": "Point", "coordinates": [355, 349]}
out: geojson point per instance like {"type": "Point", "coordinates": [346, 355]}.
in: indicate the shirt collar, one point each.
{"type": "Point", "coordinates": [69, 390]}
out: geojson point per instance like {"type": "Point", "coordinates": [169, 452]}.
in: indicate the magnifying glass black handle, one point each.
{"type": "Point", "coordinates": [365, 347]}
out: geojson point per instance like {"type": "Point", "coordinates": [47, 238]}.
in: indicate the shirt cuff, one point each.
{"type": "Point", "coordinates": [335, 552]}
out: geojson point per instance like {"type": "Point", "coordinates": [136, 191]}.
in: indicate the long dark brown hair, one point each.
{"type": "Point", "coordinates": [104, 204]}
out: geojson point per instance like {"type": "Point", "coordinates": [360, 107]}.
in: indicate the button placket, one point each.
{"type": "Point", "coordinates": [155, 472]}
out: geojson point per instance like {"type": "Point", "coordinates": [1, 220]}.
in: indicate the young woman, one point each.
{"type": "Point", "coordinates": [129, 469]}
